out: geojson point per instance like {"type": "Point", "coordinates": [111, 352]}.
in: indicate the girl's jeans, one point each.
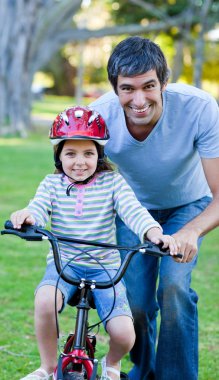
{"type": "Point", "coordinates": [176, 355]}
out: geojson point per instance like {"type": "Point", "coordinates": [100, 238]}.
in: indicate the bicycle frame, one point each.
{"type": "Point", "coordinates": [79, 344]}
{"type": "Point", "coordinates": [79, 349]}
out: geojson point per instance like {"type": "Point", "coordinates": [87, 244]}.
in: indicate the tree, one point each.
{"type": "Point", "coordinates": [199, 17]}
{"type": "Point", "coordinates": [204, 26]}
{"type": "Point", "coordinates": [32, 31]}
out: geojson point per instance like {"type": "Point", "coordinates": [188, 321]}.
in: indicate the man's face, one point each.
{"type": "Point", "coordinates": [141, 98]}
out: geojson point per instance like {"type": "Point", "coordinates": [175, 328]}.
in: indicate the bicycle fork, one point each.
{"type": "Point", "coordinates": [76, 345]}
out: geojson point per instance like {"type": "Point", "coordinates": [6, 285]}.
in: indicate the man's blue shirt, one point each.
{"type": "Point", "coordinates": [165, 169]}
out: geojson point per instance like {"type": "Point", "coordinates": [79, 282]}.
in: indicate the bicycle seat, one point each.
{"type": "Point", "coordinates": [75, 299]}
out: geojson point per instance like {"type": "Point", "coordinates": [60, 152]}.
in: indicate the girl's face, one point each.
{"type": "Point", "coordinates": [79, 159]}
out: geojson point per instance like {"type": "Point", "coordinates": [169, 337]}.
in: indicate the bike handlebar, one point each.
{"type": "Point", "coordinates": [36, 233]}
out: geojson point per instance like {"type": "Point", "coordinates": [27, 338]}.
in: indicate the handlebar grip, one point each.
{"type": "Point", "coordinates": [160, 246]}
{"type": "Point", "coordinates": [27, 231]}
{"type": "Point", "coordinates": [178, 255]}
{"type": "Point", "coordinates": [158, 250]}
{"type": "Point", "coordinates": [8, 225]}
{"type": "Point", "coordinates": [24, 227]}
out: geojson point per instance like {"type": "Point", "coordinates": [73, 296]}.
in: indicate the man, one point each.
{"type": "Point", "coordinates": [165, 142]}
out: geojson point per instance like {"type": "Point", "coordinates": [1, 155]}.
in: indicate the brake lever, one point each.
{"type": "Point", "coordinates": [27, 231]}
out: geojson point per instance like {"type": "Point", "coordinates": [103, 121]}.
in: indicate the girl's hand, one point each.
{"type": "Point", "coordinates": [168, 243]}
{"type": "Point", "coordinates": [20, 217]}
{"type": "Point", "coordinates": [155, 236]}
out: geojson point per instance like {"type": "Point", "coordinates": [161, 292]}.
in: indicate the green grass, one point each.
{"type": "Point", "coordinates": [51, 105]}
{"type": "Point", "coordinates": [24, 163]}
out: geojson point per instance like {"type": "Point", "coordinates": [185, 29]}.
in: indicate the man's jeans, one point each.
{"type": "Point", "coordinates": [176, 354]}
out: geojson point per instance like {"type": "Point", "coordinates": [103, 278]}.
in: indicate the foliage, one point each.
{"type": "Point", "coordinates": [131, 11]}
{"type": "Point", "coordinates": [63, 74]}
{"type": "Point", "coordinates": [189, 37]}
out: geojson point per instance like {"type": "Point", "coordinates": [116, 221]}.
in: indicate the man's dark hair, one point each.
{"type": "Point", "coordinates": [136, 55]}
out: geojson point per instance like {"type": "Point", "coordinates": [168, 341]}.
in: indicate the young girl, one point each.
{"type": "Point", "coordinates": [81, 200]}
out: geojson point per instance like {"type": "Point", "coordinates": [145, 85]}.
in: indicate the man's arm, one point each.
{"type": "Point", "coordinates": [188, 236]}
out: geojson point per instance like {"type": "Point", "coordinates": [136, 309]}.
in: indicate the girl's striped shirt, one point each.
{"type": "Point", "coordinates": [89, 213]}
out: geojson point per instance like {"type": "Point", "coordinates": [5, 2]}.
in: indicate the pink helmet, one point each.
{"type": "Point", "coordinates": [79, 123]}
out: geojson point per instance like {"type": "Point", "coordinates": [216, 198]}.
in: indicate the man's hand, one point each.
{"type": "Point", "coordinates": [187, 241]}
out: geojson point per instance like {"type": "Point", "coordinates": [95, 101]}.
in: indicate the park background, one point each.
{"type": "Point", "coordinates": [54, 54]}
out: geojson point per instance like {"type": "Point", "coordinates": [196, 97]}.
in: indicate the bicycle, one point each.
{"type": "Point", "coordinates": [77, 361]}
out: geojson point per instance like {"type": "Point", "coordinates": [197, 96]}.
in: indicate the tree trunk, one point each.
{"type": "Point", "coordinates": [178, 60]}
{"type": "Point", "coordinates": [26, 42]}
{"type": "Point", "coordinates": [197, 77]}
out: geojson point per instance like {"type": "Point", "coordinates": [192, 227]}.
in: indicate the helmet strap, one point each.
{"type": "Point", "coordinates": [87, 180]}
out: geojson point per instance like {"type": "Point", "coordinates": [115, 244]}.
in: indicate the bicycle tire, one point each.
{"type": "Point", "coordinates": [75, 372]}
{"type": "Point", "coordinates": [73, 376]}
{"type": "Point", "coordinates": [76, 376]}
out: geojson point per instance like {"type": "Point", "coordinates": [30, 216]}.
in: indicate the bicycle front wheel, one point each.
{"type": "Point", "coordinates": [74, 376]}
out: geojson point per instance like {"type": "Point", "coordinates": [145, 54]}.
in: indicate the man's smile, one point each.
{"type": "Point", "coordinates": [139, 110]}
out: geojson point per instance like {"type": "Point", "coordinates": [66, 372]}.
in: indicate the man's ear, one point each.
{"type": "Point", "coordinates": [163, 87]}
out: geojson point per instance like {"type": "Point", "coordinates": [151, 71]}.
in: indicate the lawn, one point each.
{"type": "Point", "coordinates": [24, 163]}
{"type": "Point", "coordinates": [51, 105]}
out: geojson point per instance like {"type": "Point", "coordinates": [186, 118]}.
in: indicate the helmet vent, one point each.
{"type": "Point", "coordinates": [79, 113]}
{"type": "Point", "coordinates": [64, 117]}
